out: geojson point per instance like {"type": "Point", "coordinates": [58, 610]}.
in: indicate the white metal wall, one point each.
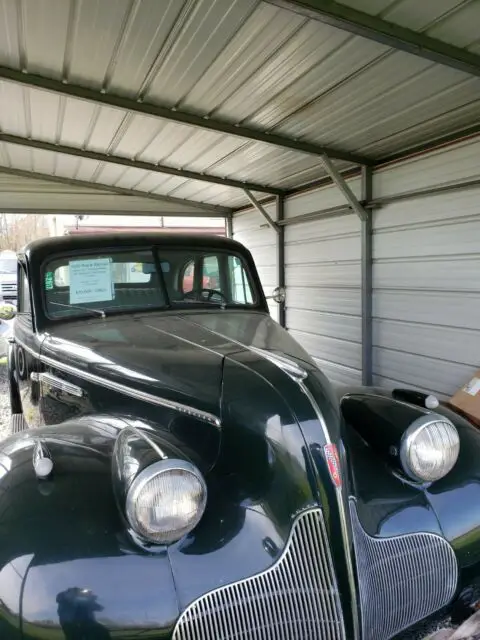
{"type": "Point", "coordinates": [426, 275]}
{"type": "Point", "coordinates": [323, 282]}
{"type": "Point", "coordinates": [426, 300]}
{"type": "Point", "coordinates": [251, 229]}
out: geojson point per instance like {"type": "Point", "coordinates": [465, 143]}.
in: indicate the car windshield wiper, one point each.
{"type": "Point", "coordinates": [100, 312]}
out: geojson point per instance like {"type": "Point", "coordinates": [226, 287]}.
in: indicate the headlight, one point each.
{"type": "Point", "coordinates": [166, 501]}
{"type": "Point", "coordinates": [429, 448]}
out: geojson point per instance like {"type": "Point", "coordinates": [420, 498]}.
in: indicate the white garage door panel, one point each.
{"type": "Point", "coordinates": [418, 371]}
{"type": "Point", "coordinates": [463, 310]}
{"type": "Point", "coordinates": [322, 251]}
{"type": "Point", "coordinates": [344, 274]}
{"type": "Point", "coordinates": [337, 373]}
{"type": "Point", "coordinates": [444, 239]}
{"type": "Point", "coordinates": [456, 163]}
{"type": "Point", "coordinates": [326, 324]}
{"type": "Point", "coordinates": [332, 350]}
{"type": "Point", "coordinates": [250, 229]}
{"type": "Point", "coordinates": [426, 300]}
{"type": "Point", "coordinates": [324, 229]}
{"type": "Point", "coordinates": [315, 299]}
{"type": "Point", "coordinates": [458, 345]}
{"type": "Point", "coordinates": [432, 275]}
{"type": "Point", "coordinates": [433, 209]}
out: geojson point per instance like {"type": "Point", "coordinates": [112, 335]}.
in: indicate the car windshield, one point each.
{"type": "Point", "coordinates": [8, 266]}
{"type": "Point", "coordinates": [114, 281]}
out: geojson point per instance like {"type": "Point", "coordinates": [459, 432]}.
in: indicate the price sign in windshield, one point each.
{"type": "Point", "coordinates": [91, 280]}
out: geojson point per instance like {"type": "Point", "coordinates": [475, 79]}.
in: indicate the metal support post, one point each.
{"type": "Point", "coordinates": [281, 257]}
{"type": "Point", "coordinates": [229, 225]}
{"type": "Point", "coordinates": [339, 180]}
{"type": "Point", "coordinates": [261, 210]}
{"type": "Point", "coordinates": [367, 265]}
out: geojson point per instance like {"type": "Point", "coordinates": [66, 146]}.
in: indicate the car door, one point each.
{"type": "Point", "coordinates": [26, 351]}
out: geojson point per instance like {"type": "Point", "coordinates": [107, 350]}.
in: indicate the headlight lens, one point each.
{"type": "Point", "coordinates": [429, 448]}
{"type": "Point", "coordinates": [166, 501]}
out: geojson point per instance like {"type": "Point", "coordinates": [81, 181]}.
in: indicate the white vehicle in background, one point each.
{"type": "Point", "coordinates": [8, 277]}
{"type": "Point", "coordinates": [7, 315]}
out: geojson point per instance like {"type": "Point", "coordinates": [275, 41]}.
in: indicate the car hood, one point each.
{"type": "Point", "coordinates": [177, 356]}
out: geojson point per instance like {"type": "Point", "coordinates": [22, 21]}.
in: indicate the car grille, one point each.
{"type": "Point", "coordinates": [402, 579]}
{"type": "Point", "coordinates": [295, 598]}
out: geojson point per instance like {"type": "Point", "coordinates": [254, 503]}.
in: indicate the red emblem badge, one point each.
{"type": "Point", "coordinates": [333, 462]}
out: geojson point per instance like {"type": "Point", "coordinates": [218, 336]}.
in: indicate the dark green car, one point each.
{"type": "Point", "coordinates": [180, 467]}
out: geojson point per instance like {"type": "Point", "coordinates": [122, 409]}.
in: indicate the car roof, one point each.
{"type": "Point", "coordinates": [69, 243]}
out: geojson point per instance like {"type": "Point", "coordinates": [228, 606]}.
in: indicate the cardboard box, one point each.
{"type": "Point", "coordinates": [467, 399]}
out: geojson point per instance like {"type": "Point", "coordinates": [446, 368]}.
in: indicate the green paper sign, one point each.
{"type": "Point", "coordinates": [49, 280]}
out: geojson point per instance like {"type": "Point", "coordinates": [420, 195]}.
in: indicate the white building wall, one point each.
{"type": "Point", "coordinates": [426, 274]}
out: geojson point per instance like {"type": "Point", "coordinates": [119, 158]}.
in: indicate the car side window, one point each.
{"type": "Point", "coordinates": [211, 273]}
{"type": "Point", "coordinates": [188, 276]}
{"type": "Point", "coordinates": [24, 305]}
{"type": "Point", "coordinates": [241, 290]}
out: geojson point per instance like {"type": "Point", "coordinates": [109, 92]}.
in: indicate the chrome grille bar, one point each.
{"type": "Point", "coordinates": [402, 579]}
{"type": "Point", "coordinates": [295, 598]}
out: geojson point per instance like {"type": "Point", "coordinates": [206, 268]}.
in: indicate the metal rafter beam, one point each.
{"type": "Point", "coordinates": [392, 35]}
{"type": "Point", "coordinates": [136, 164]}
{"type": "Point", "coordinates": [203, 122]}
{"type": "Point", "coordinates": [339, 180]}
{"type": "Point", "coordinates": [262, 211]}
{"type": "Point", "coordinates": [209, 210]}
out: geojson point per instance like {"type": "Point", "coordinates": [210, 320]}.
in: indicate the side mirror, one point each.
{"type": "Point", "coordinates": [7, 311]}
{"type": "Point", "coordinates": [279, 295]}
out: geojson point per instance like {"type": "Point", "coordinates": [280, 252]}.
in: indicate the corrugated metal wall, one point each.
{"type": "Point", "coordinates": [251, 229]}
{"type": "Point", "coordinates": [426, 286]}
{"type": "Point", "coordinates": [323, 284]}
{"type": "Point", "coordinates": [426, 300]}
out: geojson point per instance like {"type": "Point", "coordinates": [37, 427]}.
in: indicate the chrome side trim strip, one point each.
{"type": "Point", "coordinates": [57, 383]}
{"type": "Point", "coordinates": [347, 542]}
{"type": "Point", "coordinates": [123, 389]}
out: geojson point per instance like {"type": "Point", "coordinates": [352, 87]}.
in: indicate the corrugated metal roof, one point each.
{"type": "Point", "coordinates": [245, 62]}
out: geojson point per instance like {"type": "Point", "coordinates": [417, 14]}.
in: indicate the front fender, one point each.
{"type": "Point", "coordinates": [64, 557]}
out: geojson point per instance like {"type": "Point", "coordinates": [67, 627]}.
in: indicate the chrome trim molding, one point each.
{"type": "Point", "coordinates": [402, 579]}
{"type": "Point", "coordinates": [297, 597]}
{"type": "Point", "coordinates": [57, 383]}
{"type": "Point", "coordinates": [346, 539]}
{"type": "Point", "coordinates": [127, 391]}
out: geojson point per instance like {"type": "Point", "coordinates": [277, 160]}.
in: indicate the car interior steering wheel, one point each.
{"type": "Point", "coordinates": [196, 294]}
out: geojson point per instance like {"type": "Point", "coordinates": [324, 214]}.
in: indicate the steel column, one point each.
{"type": "Point", "coordinates": [229, 225]}
{"type": "Point", "coordinates": [366, 266]}
{"type": "Point", "coordinates": [280, 202]}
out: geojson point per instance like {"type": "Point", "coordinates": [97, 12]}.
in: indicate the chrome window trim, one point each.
{"type": "Point", "coordinates": [123, 389]}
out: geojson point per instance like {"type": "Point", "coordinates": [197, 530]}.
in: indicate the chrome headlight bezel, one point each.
{"type": "Point", "coordinates": [139, 484]}
{"type": "Point", "coordinates": [434, 426]}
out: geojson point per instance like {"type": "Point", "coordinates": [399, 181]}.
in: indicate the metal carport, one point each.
{"type": "Point", "coordinates": [203, 107]}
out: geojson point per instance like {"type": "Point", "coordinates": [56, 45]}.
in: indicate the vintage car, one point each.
{"type": "Point", "coordinates": [180, 468]}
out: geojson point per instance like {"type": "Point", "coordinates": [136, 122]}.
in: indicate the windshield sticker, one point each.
{"type": "Point", "coordinates": [49, 280]}
{"type": "Point", "coordinates": [91, 280]}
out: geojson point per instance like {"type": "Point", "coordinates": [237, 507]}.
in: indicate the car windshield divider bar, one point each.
{"type": "Point", "coordinates": [387, 33]}
{"type": "Point", "coordinates": [261, 210]}
{"type": "Point", "coordinates": [137, 105]}
{"type": "Point", "coordinates": [135, 164]}
{"type": "Point", "coordinates": [209, 210]}
{"type": "Point", "coordinates": [342, 185]}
